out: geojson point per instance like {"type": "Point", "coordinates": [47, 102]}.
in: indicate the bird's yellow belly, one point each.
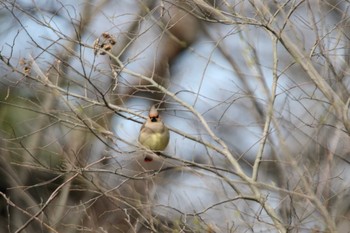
{"type": "Point", "coordinates": [156, 142]}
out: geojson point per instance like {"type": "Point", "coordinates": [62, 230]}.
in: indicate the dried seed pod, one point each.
{"type": "Point", "coordinates": [27, 66]}
{"type": "Point", "coordinates": [104, 43]}
{"type": "Point", "coordinates": [96, 46]}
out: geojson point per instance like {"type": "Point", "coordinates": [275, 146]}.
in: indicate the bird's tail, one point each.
{"type": "Point", "coordinates": [148, 159]}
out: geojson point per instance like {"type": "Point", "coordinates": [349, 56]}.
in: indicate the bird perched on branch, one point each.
{"type": "Point", "coordinates": [154, 135]}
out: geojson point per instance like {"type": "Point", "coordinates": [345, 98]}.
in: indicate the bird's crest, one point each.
{"type": "Point", "coordinates": [153, 113]}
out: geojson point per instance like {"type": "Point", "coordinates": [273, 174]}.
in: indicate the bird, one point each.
{"type": "Point", "coordinates": [154, 135]}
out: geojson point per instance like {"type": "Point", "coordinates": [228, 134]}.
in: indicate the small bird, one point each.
{"type": "Point", "coordinates": [154, 135]}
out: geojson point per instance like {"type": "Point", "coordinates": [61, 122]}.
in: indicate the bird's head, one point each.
{"type": "Point", "coordinates": [153, 114]}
